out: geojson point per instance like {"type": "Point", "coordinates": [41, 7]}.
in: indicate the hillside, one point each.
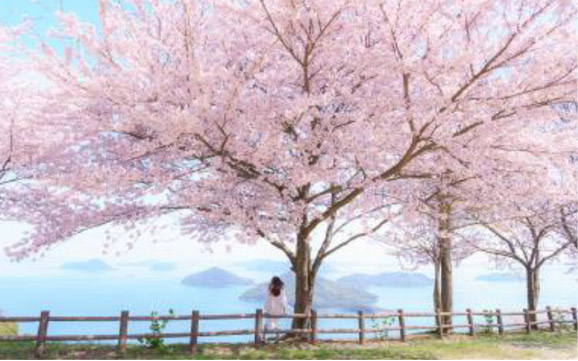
{"type": "Point", "coordinates": [215, 278]}
{"type": "Point", "coordinates": [274, 267]}
{"type": "Point", "coordinates": [328, 294]}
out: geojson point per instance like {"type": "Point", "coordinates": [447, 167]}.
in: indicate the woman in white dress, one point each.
{"type": "Point", "coordinates": [276, 302]}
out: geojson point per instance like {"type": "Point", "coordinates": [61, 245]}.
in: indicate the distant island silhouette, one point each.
{"type": "Point", "coordinates": [277, 267]}
{"type": "Point", "coordinates": [215, 278]}
{"type": "Point", "coordinates": [388, 279]}
{"type": "Point", "coordinates": [500, 277]}
{"type": "Point", "coordinates": [92, 265]}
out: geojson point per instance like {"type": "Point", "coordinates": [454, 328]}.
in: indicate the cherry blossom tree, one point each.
{"type": "Point", "coordinates": [526, 221]}
{"type": "Point", "coordinates": [18, 140]}
{"type": "Point", "coordinates": [567, 228]}
{"type": "Point", "coordinates": [568, 212]}
{"type": "Point", "coordinates": [7, 72]}
{"type": "Point", "coordinates": [530, 241]}
{"type": "Point", "coordinates": [274, 120]}
{"type": "Point", "coordinates": [568, 224]}
{"type": "Point", "coordinates": [419, 242]}
{"type": "Point", "coordinates": [27, 141]}
{"type": "Point", "coordinates": [446, 231]}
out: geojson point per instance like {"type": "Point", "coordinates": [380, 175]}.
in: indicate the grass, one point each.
{"type": "Point", "coordinates": [538, 345]}
{"type": "Point", "coordinates": [8, 329]}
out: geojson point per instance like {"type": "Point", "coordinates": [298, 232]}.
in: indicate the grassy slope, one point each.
{"type": "Point", "coordinates": [542, 345]}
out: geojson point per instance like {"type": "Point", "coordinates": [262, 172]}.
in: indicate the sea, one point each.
{"type": "Point", "coordinates": [109, 293]}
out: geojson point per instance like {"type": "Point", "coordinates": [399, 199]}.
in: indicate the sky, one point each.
{"type": "Point", "coordinates": [41, 12]}
{"type": "Point", "coordinates": [185, 253]}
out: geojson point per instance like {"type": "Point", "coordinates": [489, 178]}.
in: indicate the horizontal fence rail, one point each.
{"type": "Point", "coordinates": [495, 320]}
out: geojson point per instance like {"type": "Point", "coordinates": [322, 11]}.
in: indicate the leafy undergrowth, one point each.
{"type": "Point", "coordinates": [538, 345]}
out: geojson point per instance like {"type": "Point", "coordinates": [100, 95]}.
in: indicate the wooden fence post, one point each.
{"type": "Point", "coordinates": [440, 323]}
{"type": "Point", "coordinates": [258, 327]}
{"type": "Point", "coordinates": [42, 331]}
{"type": "Point", "coordinates": [313, 326]}
{"type": "Point", "coordinates": [361, 319]}
{"type": "Point", "coordinates": [123, 331]}
{"type": "Point", "coordinates": [401, 325]}
{"type": "Point", "coordinates": [574, 318]}
{"type": "Point", "coordinates": [194, 340]}
{"type": "Point", "coordinates": [500, 322]}
{"type": "Point", "coordinates": [527, 320]}
{"type": "Point", "coordinates": [550, 318]}
{"type": "Point", "coordinates": [471, 323]}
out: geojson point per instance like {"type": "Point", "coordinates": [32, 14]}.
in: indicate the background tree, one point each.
{"type": "Point", "coordinates": [569, 223]}
{"type": "Point", "coordinates": [529, 241]}
{"type": "Point", "coordinates": [445, 201]}
{"type": "Point", "coordinates": [417, 243]}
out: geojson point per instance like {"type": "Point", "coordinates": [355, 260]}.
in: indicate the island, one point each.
{"type": "Point", "coordinates": [500, 277]}
{"type": "Point", "coordinates": [215, 278]}
{"type": "Point", "coordinates": [92, 265]}
{"type": "Point", "coordinates": [274, 267]}
{"type": "Point", "coordinates": [371, 309]}
{"type": "Point", "coordinates": [328, 294]}
{"type": "Point", "coordinates": [388, 279]}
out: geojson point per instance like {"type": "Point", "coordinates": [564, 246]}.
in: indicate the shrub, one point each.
{"type": "Point", "coordinates": [156, 327]}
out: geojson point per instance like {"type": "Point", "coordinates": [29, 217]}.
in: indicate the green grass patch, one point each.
{"type": "Point", "coordinates": [537, 345]}
{"type": "Point", "coordinates": [8, 329]}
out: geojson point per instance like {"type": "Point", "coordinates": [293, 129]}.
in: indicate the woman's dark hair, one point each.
{"type": "Point", "coordinates": [276, 286]}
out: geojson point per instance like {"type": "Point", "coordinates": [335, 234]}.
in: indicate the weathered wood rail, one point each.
{"type": "Point", "coordinates": [44, 320]}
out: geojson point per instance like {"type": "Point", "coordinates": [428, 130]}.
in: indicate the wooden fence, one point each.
{"type": "Point", "coordinates": [311, 333]}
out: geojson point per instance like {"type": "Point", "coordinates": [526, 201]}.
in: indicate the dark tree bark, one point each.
{"type": "Point", "coordinates": [304, 281]}
{"type": "Point", "coordinates": [436, 289]}
{"type": "Point", "coordinates": [533, 293]}
{"type": "Point", "coordinates": [446, 283]}
{"type": "Point", "coordinates": [445, 244]}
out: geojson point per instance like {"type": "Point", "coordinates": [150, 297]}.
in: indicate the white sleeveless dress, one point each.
{"type": "Point", "coordinates": [275, 305]}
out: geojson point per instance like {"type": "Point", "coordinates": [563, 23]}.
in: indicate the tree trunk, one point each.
{"type": "Point", "coordinates": [436, 289]}
{"type": "Point", "coordinates": [446, 282]}
{"type": "Point", "coordinates": [304, 281]}
{"type": "Point", "coordinates": [533, 292]}
{"type": "Point", "coordinates": [445, 243]}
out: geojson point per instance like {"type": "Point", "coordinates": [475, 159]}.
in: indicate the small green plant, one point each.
{"type": "Point", "coordinates": [489, 319]}
{"type": "Point", "coordinates": [560, 320]}
{"type": "Point", "coordinates": [380, 324]}
{"type": "Point", "coordinates": [156, 327]}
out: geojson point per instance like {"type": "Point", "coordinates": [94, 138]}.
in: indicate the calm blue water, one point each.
{"type": "Point", "coordinates": [109, 294]}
